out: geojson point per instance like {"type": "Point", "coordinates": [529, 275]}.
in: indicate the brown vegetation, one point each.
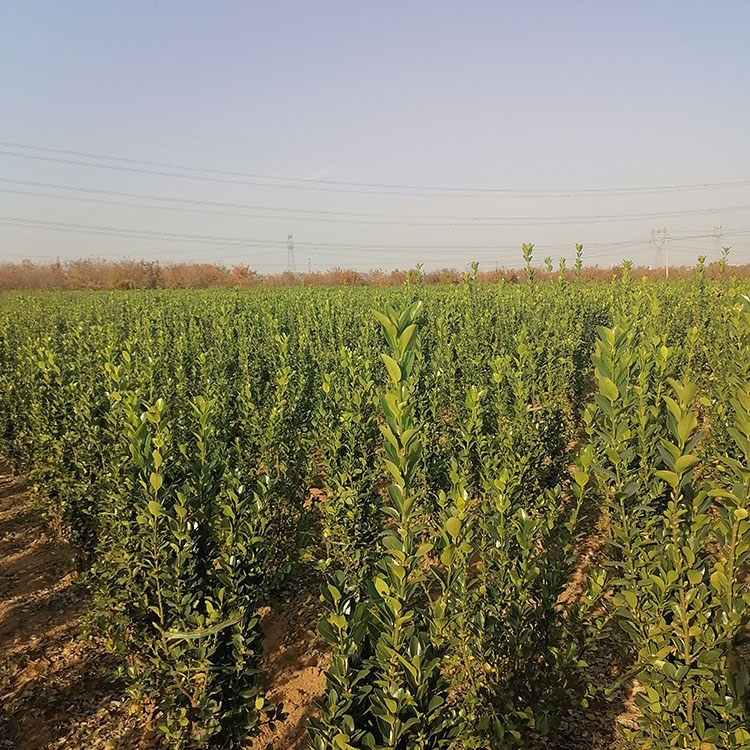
{"type": "Point", "coordinates": [140, 274]}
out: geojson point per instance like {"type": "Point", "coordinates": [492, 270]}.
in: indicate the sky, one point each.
{"type": "Point", "coordinates": [378, 135]}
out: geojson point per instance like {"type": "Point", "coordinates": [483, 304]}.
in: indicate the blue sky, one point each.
{"type": "Point", "coordinates": [378, 134]}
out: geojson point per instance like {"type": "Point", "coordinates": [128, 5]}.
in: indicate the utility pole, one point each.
{"type": "Point", "coordinates": [290, 265]}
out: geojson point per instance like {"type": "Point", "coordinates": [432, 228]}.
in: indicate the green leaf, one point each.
{"type": "Point", "coordinates": [338, 620]}
{"type": "Point", "coordinates": [686, 426]}
{"type": "Point", "coordinates": [695, 577]}
{"type": "Point", "coordinates": [406, 339]}
{"type": "Point", "coordinates": [447, 556]}
{"type": "Point", "coordinates": [154, 508]}
{"type": "Point", "coordinates": [191, 635]}
{"type": "Point", "coordinates": [669, 477]}
{"type": "Point", "coordinates": [335, 594]}
{"type": "Point", "coordinates": [409, 315]}
{"type": "Point", "coordinates": [156, 480]}
{"type": "Point", "coordinates": [608, 388]}
{"type": "Point", "coordinates": [394, 470]}
{"type": "Point", "coordinates": [453, 527]}
{"type": "Point", "coordinates": [392, 366]}
{"type": "Point", "coordinates": [683, 463]}
{"type": "Point", "coordinates": [381, 586]}
{"type": "Point", "coordinates": [719, 581]}
{"type": "Point", "coordinates": [389, 330]}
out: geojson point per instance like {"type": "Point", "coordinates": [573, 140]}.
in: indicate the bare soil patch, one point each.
{"type": "Point", "coordinates": [294, 667]}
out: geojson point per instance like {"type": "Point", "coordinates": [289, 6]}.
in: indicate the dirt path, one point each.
{"type": "Point", "coordinates": [294, 670]}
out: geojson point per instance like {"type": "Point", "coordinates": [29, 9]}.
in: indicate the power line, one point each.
{"type": "Point", "coordinates": [266, 243]}
{"type": "Point", "coordinates": [218, 204]}
{"type": "Point", "coordinates": [150, 234]}
{"type": "Point", "coordinates": [325, 216]}
{"type": "Point", "coordinates": [305, 183]}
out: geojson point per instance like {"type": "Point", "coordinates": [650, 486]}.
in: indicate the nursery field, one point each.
{"type": "Point", "coordinates": [461, 516]}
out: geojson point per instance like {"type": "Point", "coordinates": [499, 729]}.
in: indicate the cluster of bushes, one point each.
{"type": "Point", "coordinates": [461, 446]}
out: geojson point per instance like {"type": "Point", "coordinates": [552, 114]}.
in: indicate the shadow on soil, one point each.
{"type": "Point", "coordinates": [46, 702]}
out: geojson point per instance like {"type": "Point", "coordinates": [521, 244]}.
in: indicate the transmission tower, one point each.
{"type": "Point", "coordinates": [718, 234]}
{"type": "Point", "coordinates": [290, 264]}
{"type": "Point", "coordinates": [660, 240]}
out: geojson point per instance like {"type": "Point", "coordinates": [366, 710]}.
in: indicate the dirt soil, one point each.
{"type": "Point", "coordinates": [58, 689]}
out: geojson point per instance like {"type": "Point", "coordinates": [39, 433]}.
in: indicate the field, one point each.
{"type": "Point", "coordinates": [460, 516]}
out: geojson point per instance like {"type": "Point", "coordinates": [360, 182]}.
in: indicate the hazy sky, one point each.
{"type": "Point", "coordinates": [378, 134]}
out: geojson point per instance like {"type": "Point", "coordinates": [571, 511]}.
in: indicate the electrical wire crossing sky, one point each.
{"type": "Point", "coordinates": [376, 135]}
